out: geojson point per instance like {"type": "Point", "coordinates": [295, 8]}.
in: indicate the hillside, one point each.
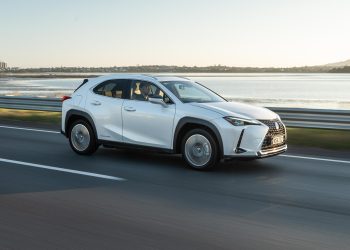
{"type": "Point", "coordinates": [338, 64]}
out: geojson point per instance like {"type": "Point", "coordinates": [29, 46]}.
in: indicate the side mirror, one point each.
{"type": "Point", "coordinates": [157, 100]}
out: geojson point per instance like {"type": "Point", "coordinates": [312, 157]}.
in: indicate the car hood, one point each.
{"type": "Point", "coordinates": [237, 109]}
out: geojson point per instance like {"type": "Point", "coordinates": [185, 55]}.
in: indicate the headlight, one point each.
{"type": "Point", "coordinates": [240, 121]}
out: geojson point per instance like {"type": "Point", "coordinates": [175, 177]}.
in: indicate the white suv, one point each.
{"type": "Point", "coordinates": [170, 114]}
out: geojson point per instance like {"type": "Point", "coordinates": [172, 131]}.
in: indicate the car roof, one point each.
{"type": "Point", "coordinates": [146, 77]}
{"type": "Point", "coordinates": [123, 75]}
{"type": "Point", "coordinates": [170, 78]}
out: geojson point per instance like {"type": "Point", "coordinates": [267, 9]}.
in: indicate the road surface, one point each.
{"type": "Point", "coordinates": [51, 198]}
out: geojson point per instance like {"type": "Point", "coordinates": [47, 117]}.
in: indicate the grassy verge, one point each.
{"type": "Point", "coordinates": [320, 138]}
{"type": "Point", "coordinates": [30, 116]}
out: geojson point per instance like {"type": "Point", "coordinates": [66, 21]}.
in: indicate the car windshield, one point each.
{"type": "Point", "coordinates": [188, 91]}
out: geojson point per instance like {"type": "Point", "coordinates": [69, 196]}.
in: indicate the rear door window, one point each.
{"type": "Point", "coordinates": [118, 88]}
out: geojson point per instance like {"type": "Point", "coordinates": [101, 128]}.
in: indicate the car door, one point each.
{"type": "Point", "coordinates": [146, 123]}
{"type": "Point", "coordinates": [105, 106]}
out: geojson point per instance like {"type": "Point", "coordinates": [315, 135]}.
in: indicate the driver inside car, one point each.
{"type": "Point", "coordinates": [144, 92]}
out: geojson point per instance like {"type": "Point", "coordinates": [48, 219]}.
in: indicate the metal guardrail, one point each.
{"type": "Point", "coordinates": [31, 103]}
{"type": "Point", "coordinates": [292, 117]}
{"type": "Point", "coordinates": [314, 118]}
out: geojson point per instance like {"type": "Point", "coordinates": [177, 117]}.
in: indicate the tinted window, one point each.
{"type": "Point", "coordinates": [188, 91]}
{"type": "Point", "coordinates": [142, 90]}
{"type": "Point", "coordinates": [114, 89]}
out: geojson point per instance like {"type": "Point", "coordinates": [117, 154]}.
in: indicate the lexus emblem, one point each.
{"type": "Point", "coordinates": [277, 126]}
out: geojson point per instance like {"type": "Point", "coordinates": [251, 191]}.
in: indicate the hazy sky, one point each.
{"type": "Point", "coordinates": [40, 33]}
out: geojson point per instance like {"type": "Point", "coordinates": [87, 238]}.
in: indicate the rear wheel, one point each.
{"type": "Point", "coordinates": [82, 138]}
{"type": "Point", "coordinates": [199, 149]}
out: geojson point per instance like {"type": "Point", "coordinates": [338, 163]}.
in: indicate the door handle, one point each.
{"type": "Point", "coordinates": [130, 109]}
{"type": "Point", "coordinates": [96, 103]}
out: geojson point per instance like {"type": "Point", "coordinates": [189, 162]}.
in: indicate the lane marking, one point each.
{"type": "Point", "coordinates": [290, 156]}
{"type": "Point", "coordinates": [315, 158]}
{"type": "Point", "coordinates": [31, 129]}
{"type": "Point", "coordinates": [102, 176]}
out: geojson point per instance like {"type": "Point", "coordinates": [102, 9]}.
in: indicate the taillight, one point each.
{"type": "Point", "coordinates": [65, 97]}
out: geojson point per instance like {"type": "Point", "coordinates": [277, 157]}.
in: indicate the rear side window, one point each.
{"type": "Point", "coordinates": [114, 88]}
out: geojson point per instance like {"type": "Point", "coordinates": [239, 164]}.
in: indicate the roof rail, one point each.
{"type": "Point", "coordinates": [155, 76]}
{"type": "Point", "coordinates": [149, 76]}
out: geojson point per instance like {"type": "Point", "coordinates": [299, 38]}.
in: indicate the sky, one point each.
{"type": "Point", "coordinates": [255, 33]}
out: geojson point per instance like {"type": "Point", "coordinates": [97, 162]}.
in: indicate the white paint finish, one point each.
{"type": "Point", "coordinates": [241, 110]}
{"type": "Point", "coordinates": [149, 124]}
{"type": "Point", "coordinates": [66, 170]}
{"type": "Point", "coordinates": [107, 116]}
{"type": "Point", "coordinates": [315, 158]}
{"type": "Point", "coordinates": [154, 125]}
{"type": "Point", "coordinates": [30, 129]}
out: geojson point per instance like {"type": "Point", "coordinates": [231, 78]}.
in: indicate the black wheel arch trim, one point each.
{"type": "Point", "coordinates": [190, 120]}
{"type": "Point", "coordinates": [115, 144]}
{"type": "Point", "coordinates": [83, 114]}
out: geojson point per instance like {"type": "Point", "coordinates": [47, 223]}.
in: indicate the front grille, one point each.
{"type": "Point", "coordinates": [273, 131]}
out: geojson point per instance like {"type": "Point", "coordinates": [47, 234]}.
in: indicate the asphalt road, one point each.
{"type": "Point", "coordinates": [119, 199]}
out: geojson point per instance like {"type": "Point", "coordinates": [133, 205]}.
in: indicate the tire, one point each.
{"type": "Point", "coordinates": [82, 138]}
{"type": "Point", "coordinates": [199, 149]}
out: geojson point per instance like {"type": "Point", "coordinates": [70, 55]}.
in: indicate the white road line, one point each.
{"type": "Point", "coordinates": [63, 170]}
{"type": "Point", "coordinates": [315, 158]}
{"type": "Point", "coordinates": [31, 129]}
{"type": "Point", "coordinates": [290, 156]}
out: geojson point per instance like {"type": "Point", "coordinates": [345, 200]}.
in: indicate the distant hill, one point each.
{"type": "Point", "coordinates": [339, 67]}
{"type": "Point", "coordinates": [338, 64]}
{"type": "Point", "coordinates": [345, 69]}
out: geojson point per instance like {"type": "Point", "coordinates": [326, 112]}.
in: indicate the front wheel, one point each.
{"type": "Point", "coordinates": [82, 138]}
{"type": "Point", "coordinates": [199, 149]}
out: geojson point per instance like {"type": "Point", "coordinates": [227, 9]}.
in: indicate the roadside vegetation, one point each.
{"type": "Point", "coordinates": [52, 72]}
{"type": "Point", "coordinates": [30, 116]}
{"type": "Point", "coordinates": [320, 138]}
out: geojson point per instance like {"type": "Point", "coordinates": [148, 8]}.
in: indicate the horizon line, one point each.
{"type": "Point", "coordinates": [178, 66]}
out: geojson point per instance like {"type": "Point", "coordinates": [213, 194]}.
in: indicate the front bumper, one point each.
{"type": "Point", "coordinates": [257, 155]}
{"type": "Point", "coordinates": [272, 151]}
{"type": "Point", "coordinates": [253, 142]}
